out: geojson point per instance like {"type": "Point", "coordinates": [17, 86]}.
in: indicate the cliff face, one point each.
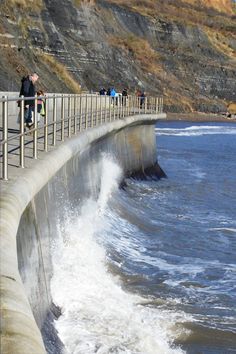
{"type": "Point", "coordinates": [185, 50]}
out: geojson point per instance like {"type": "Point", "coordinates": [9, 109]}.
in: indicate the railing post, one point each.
{"type": "Point", "coordinates": [124, 106]}
{"type": "Point", "coordinates": [62, 118]}
{"type": "Point", "coordinates": [105, 97]}
{"type": "Point", "coordinates": [109, 100]}
{"type": "Point", "coordinates": [35, 134]}
{"type": "Point", "coordinates": [69, 116]}
{"type": "Point", "coordinates": [5, 137]}
{"type": "Point", "coordinates": [118, 106]}
{"type": "Point", "coordinates": [22, 130]}
{"type": "Point", "coordinates": [81, 113]}
{"type": "Point", "coordinates": [130, 104]}
{"type": "Point", "coordinates": [145, 105]}
{"type": "Point", "coordinates": [156, 105]}
{"type": "Point", "coordinates": [54, 114]}
{"type": "Point", "coordinates": [91, 124]}
{"type": "Point", "coordinates": [46, 126]}
{"type": "Point", "coordinates": [86, 112]}
{"type": "Point", "coordinates": [114, 110]}
{"type": "Point", "coordinates": [75, 114]}
{"type": "Point", "coordinates": [100, 109]}
{"type": "Point", "coordinates": [96, 117]}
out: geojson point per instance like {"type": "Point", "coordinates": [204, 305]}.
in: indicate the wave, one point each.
{"type": "Point", "coordinates": [197, 130]}
{"type": "Point", "coordinates": [98, 315]}
{"type": "Point", "coordinates": [226, 229]}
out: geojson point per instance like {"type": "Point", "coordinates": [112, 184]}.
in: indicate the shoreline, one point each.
{"type": "Point", "coordinates": [200, 117]}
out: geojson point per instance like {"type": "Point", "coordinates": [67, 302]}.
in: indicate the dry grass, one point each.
{"type": "Point", "coordinates": [232, 108]}
{"type": "Point", "coordinates": [29, 5]}
{"type": "Point", "coordinates": [225, 6]}
{"type": "Point", "coordinates": [221, 43]}
{"type": "Point", "coordinates": [60, 70]}
{"type": "Point", "coordinates": [78, 3]}
{"type": "Point", "coordinates": [175, 98]}
{"type": "Point", "coordinates": [140, 50]}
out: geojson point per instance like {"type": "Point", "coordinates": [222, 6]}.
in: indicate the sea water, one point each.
{"type": "Point", "coordinates": [151, 268]}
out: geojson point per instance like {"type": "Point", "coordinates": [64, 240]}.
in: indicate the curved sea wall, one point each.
{"type": "Point", "coordinates": [30, 209]}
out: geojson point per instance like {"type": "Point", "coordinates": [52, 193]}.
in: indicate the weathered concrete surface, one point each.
{"type": "Point", "coordinates": [31, 206]}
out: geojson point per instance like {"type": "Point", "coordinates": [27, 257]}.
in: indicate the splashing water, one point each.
{"type": "Point", "coordinates": [98, 316]}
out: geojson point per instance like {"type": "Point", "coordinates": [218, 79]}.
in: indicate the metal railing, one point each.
{"type": "Point", "coordinates": [65, 115]}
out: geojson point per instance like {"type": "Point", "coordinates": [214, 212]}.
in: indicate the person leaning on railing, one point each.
{"type": "Point", "coordinates": [28, 90]}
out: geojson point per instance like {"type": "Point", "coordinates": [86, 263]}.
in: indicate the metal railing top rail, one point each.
{"type": "Point", "coordinates": [50, 95]}
{"type": "Point", "coordinates": [63, 115]}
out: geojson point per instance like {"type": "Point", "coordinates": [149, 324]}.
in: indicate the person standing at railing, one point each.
{"type": "Point", "coordinates": [103, 91]}
{"type": "Point", "coordinates": [124, 96]}
{"type": "Point", "coordinates": [113, 94]}
{"type": "Point", "coordinates": [28, 90]}
{"type": "Point", "coordinates": [142, 99]}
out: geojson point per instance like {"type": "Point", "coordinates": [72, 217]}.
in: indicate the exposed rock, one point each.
{"type": "Point", "coordinates": [184, 50]}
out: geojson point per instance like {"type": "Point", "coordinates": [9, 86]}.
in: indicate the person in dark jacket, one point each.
{"type": "Point", "coordinates": [142, 99]}
{"type": "Point", "coordinates": [124, 96]}
{"type": "Point", "coordinates": [103, 91]}
{"type": "Point", "coordinates": [28, 90]}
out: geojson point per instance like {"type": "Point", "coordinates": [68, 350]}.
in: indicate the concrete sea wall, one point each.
{"type": "Point", "coordinates": [31, 208]}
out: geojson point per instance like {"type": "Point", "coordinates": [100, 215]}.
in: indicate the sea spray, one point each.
{"type": "Point", "coordinates": [110, 178]}
{"type": "Point", "coordinates": [98, 316]}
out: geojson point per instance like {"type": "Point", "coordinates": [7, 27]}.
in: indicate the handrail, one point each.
{"type": "Point", "coordinates": [66, 115]}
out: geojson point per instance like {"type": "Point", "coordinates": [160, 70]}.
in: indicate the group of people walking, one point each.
{"type": "Point", "coordinates": [115, 95]}
{"type": "Point", "coordinates": [124, 95]}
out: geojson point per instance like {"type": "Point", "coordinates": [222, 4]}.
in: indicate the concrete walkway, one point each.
{"type": "Point", "coordinates": [14, 169]}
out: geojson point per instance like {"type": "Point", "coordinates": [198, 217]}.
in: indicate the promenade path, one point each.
{"type": "Point", "coordinates": [105, 113]}
{"type": "Point", "coordinates": [14, 170]}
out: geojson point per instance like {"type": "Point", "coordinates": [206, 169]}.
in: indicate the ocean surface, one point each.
{"type": "Point", "coordinates": [151, 268]}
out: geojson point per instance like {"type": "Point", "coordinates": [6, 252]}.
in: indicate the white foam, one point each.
{"type": "Point", "coordinates": [196, 130]}
{"type": "Point", "coordinates": [98, 316]}
{"type": "Point", "coordinates": [228, 229]}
